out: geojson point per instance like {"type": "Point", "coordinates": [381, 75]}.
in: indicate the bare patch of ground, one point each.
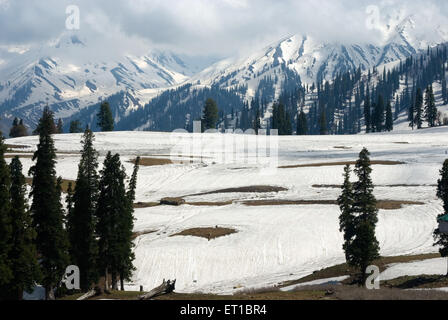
{"type": "Point", "coordinates": [207, 233]}
{"type": "Point", "coordinates": [149, 162]}
{"type": "Point", "coordinates": [336, 186]}
{"type": "Point", "coordinates": [210, 204]}
{"type": "Point", "coordinates": [342, 147]}
{"type": "Point", "coordinates": [341, 163]}
{"type": "Point", "coordinates": [343, 269]}
{"type": "Point", "coordinates": [381, 204]}
{"type": "Point", "coordinates": [135, 235]}
{"type": "Point", "coordinates": [142, 205]}
{"type": "Point", "coordinates": [417, 282]}
{"type": "Point", "coordinates": [354, 292]}
{"type": "Point", "coordinates": [21, 156]}
{"type": "Point", "coordinates": [249, 189]}
{"type": "Point", "coordinates": [172, 201]}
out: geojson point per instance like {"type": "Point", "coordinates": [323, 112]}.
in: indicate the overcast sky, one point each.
{"type": "Point", "coordinates": [215, 27]}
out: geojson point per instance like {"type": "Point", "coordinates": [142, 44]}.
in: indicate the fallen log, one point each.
{"type": "Point", "coordinates": [88, 295]}
{"type": "Point", "coordinates": [94, 292]}
{"type": "Point", "coordinates": [165, 288]}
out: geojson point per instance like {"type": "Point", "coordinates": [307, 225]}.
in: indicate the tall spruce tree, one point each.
{"type": "Point", "coordinates": [367, 117]}
{"type": "Point", "coordinates": [81, 221]}
{"type": "Point", "coordinates": [442, 193]}
{"type": "Point", "coordinates": [302, 125]}
{"type": "Point", "coordinates": [379, 115]}
{"type": "Point", "coordinates": [365, 247]}
{"type": "Point", "coordinates": [209, 115]}
{"type": "Point", "coordinates": [23, 254]}
{"type": "Point", "coordinates": [346, 219]}
{"type": "Point", "coordinates": [127, 225]}
{"type": "Point", "coordinates": [323, 123]}
{"type": "Point", "coordinates": [51, 240]}
{"type": "Point", "coordinates": [105, 118]}
{"type": "Point", "coordinates": [430, 107]}
{"type": "Point", "coordinates": [418, 109]}
{"type": "Point", "coordinates": [112, 207]}
{"type": "Point", "coordinates": [444, 91]}
{"type": "Point", "coordinates": [6, 274]}
{"type": "Point", "coordinates": [389, 125]}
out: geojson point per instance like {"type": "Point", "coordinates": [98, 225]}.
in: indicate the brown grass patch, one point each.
{"type": "Point", "coordinates": [341, 163]}
{"type": "Point", "coordinates": [342, 147]}
{"type": "Point", "coordinates": [207, 233]}
{"type": "Point", "coordinates": [65, 184]}
{"type": "Point", "coordinates": [336, 186]}
{"type": "Point", "coordinates": [420, 282]}
{"type": "Point", "coordinates": [266, 296]}
{"type": "Point", "coordinates": [142, 205]}
{"type": "Point", "coordinates": [21, 156]}
{"type": "Point", "coordinates": [172, 201]}
{"type": "Point", "coordinates": [381, 204]}
{"type": "Point", "coordinates": [344, 270]}
{"type": "Point", "coordinates": [135, 235]}
{"type": "Point", "coordinates": [210, 204]}
{"type": "Point", "coordinates": [250, 189]}
{"type": "Point", "coordinates": [149, 162]}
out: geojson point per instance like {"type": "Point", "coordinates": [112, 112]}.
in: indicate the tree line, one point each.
{"type": "Point", "coordinates": [93, 230]}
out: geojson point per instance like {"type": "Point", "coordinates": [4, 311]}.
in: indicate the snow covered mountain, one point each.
{"type": "Point", "coordinates": [313, 60]}
{"type": "Point", "coordinates": [72, 77]}
{"type": "Point", "coordinates": [69, 75]}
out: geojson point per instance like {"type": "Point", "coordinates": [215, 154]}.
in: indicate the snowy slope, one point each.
{"type": "Point", "coordinates": [274, 243]}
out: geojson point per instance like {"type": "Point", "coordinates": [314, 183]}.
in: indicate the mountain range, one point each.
{"type": "Point", "coordinates": [72, 79]}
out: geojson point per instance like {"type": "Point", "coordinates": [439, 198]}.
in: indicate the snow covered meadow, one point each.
{"type": "Point", "coordinates": [276, 240]}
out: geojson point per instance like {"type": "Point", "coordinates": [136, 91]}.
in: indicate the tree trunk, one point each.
{"type": "Point", "coordinates": [106, 281]}
{"type": "Point", "coordinates": [121, 282]}
{"type": "Point", "coordinates": [114, 280]}
{"type": "Point", "coordinates": [49, 294]}
{"type": "Point", "coordinates": [164, 288]}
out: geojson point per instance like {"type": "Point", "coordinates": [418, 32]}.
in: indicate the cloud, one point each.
{"type": "Point", "coordinates": [218, 27]}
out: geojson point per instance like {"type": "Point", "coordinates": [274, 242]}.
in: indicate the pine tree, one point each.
{"type": "Point", "coordinates": [127, 225]}
{"type": "Point", "coordinates": [389, 126]}
{"type": "Point", "coordinates": [81, 221]}
{"type": "Point", "coordinates": [209, 115]}
{"type": "Point", "coordinates": [323, 123]}
{"type": "Point", "coordinates": [52, 242]}
{"type": "Point", "coordinates": [442, 193]}
{"type": "Point", "coordinates": [23, 255]}
{"type": "Point", "coordinates": [302, 125]}
{"type": "Point", "coordinates": [345, 202]}
{"type": "Point", "coordinates": [379, 115]}
{"type": "Point", "coordinates": [60, 126]}
{"type": "Point", "coordinates": [112, 207]}
{"type": "Point", "coordinates": [365, 247]}
{"type": "Point", "coordinates": [418, 109]}
{"type": "Point", "coordinates": [444, 91]}
{"type": "Point", "coordinates": [6, 273]}
{"type": "Point", "coordinates": [430, 107]}
{"type": "Point", "coordinates": [105, 118]}
{"type": "Point", "coordinates": [367, 117]}
{"type": "Point", "coordinates": [75, 127]}
{"type": "Point", "coordinates": [18, 129]}
{"type": "Point", "coordinates": [257, 123]}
